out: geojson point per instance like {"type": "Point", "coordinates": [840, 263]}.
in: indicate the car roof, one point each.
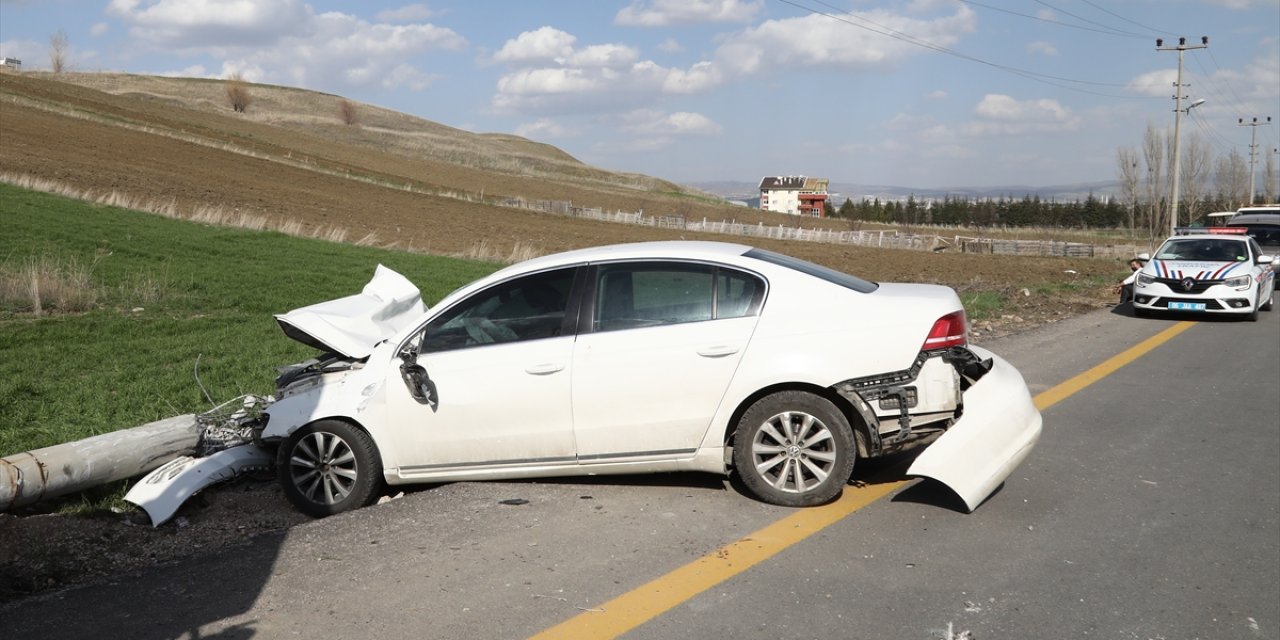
{"type": "Point", "coordinates": [1254, 218]}
{"type": "Point", "coordinates": [669, 249]}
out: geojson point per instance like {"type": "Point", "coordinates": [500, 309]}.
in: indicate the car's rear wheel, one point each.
{"type": "Point", "coordinates": [328, 467]}
{"type": "Point", "coordinates": [794, 449]}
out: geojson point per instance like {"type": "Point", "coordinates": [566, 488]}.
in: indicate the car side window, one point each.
{"type": "Point", "coordinates": [738, 294]}
{"type": "Point", "coordinates": [527, 308]}
{"type": "Point", "coordinates": [630, 296]}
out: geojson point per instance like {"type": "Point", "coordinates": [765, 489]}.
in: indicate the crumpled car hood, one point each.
{"type": "Point", "coordinates": [353, 325]}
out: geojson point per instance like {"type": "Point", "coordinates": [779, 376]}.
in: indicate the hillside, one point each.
{"type": "Point", "coordinates": [174, 145]}
{"type": "Point", "coordinates": [405, 179]}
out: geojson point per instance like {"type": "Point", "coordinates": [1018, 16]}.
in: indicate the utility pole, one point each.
{"type": "Point", "coordinates": [1177, 123]}
{"type": "Point", "coordinates": [1253, 150]}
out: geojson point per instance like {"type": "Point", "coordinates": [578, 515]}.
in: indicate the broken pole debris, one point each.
{"type": "Point", "coordinates": [27, 478]}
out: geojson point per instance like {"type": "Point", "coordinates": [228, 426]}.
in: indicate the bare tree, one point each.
{"type": "Point", "coordinates": [1231, 174]}
{"type": "Point", "coordinates": [1153, 153]}
{"type": "Point", "coordinates": [1130, 178]}
{"type": "Point", "coordinates": [1269, 178]}
{"type": "Point", "coordinates": [1197, 161]}
{"type": "Point", "coordinates": [238, 92]}
{"type": "Point", "coordinates": [347, 112]}
{"type": "Point", "coordinates": [59, 50]}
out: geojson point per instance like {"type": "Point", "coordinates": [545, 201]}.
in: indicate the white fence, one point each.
{"type": "Point", "coordinates": [883, 239]}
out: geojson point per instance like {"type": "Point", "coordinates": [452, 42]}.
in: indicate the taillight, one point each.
{"type": "Point", "coordinates": [951, 330]}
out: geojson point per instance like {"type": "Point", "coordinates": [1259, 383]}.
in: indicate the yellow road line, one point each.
{"type": "Point", "coordinates": [647, 601]}
{"type": "Point", "coordinates": [662, 594]}
{"type": "Point", "coordinates": [1066, 389]}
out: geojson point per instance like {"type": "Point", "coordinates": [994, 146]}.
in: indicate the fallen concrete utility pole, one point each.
{"type": "Point", "coordinates": [27, 478]}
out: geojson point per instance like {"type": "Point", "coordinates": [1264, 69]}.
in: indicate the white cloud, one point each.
{"type": "Point", "coordinates": [936, 95]}
{"type": "Point", "coordinates": [287, 41]}
{"type": "Point", "coordinates": [1003, 115]}
{"type": "Point", "coordinates": [652, 122]}
{"type": "Point", "coordinates": [543, 45]}
{"type": "Point", "coordinates": [1043, 48]}
{"type": "Point", "coordinates": [407, 13]}
{"type": "Point", "coordinates": [604, 55]}
{"type": "Point", "coordinates": [1154, 83]}
{"type": "Point", "coordinates": [193, 71]}
{"type": "Point", "coordinates": [1047, 14]}
{"type": "Point", "coordinates": [817, 40]}
{"type": "Point", "coordinates": [670, 46]}
{"type": "Point", "coordinates": [99, 29]}
{"type": "Point", "coordinates": [545, 128]}
{"type": "Point", "coordinates": [664, 13]}
{"type": "Point", "coordinates": [550, 75]}
{"type": "Point", "coordinates": [1240, 5]}
{"type": "Point", "coordinates": [700, 77]}
{"type": "Point", "coordinates": [189, 24]}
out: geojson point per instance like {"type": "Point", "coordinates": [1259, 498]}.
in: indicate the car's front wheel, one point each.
{"type": "Point", "coordinates": [328, 467]}
{"type": "Point", "coordinates": [794, 449]}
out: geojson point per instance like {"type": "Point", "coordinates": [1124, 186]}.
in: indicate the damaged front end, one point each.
{"type": "Point", "coordinates": [968, 407]}
{"type": "Point", "coordinates": [227, 448]}
{"type": "Point", "coordinates": [230, 442]}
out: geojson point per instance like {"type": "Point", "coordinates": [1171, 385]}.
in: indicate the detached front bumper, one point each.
{"type": "Point", "coordinates": [999, 427]}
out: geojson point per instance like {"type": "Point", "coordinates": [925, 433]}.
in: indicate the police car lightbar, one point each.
{"type": "Point", "coordinates": [1232, 231]}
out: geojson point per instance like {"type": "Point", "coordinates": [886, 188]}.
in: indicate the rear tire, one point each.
{"type": "Point", "coordinates": [328, 467]}
{"type": "Point", "coordinates": [793, 449]}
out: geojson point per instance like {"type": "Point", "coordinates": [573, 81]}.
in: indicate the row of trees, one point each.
{"type": "Point", "coordinates": [1207, 183]}
{"type": "Point", "coordinates": [1029, 211]}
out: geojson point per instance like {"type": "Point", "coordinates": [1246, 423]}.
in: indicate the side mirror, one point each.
{"type": "Point", "coordinates": [419, 384]}
{"type": "Point", "coordinates": [415, 376]}
{"type": "Point", "coordinates": [1265, 259]}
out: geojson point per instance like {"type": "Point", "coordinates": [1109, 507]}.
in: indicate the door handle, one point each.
{"type": "Point", "coordinates": [544, 368]}
{"type": "Point", "coordinates": [717, 351]}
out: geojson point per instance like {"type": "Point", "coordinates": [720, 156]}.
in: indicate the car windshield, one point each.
{"type": "Point", "coordinates": [1204, 249]}
{"type": "Point", "coordinates": [816, 270]}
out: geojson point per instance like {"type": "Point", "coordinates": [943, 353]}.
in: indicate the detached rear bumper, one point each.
{"type": "Point", "coordinates": [997, 430]}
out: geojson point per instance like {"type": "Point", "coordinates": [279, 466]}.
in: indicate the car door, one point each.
{"type": "Point", "coordinates": [658, 344]}
{"type": "Point", "coordinates": [498, 369]}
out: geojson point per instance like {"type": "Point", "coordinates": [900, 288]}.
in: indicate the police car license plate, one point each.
{"type": "Point", "coordinates": [1186, 306]}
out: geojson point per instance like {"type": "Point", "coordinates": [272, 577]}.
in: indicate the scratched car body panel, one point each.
{"type": "Point", "coordinates": [651, 357]}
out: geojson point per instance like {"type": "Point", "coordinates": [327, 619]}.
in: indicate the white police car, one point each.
{"type": "Point", "coordinates": [1215, 270]}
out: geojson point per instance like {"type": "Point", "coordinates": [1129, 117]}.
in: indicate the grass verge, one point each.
{"type": "Point", "coordinates": [155, 293]}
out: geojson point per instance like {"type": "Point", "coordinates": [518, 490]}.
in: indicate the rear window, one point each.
{"type": "Point", "coordinates": [815, 270]}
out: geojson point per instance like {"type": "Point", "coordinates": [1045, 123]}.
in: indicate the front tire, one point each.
{"type": "Point", "coordinates": [793, 449]}
{"type": "Point", "coordinates": [328, 467]}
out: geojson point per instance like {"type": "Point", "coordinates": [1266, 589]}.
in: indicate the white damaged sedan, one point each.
{"type": "Point", "coordinates": [641, 358]}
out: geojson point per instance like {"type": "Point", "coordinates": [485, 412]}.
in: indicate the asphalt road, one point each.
{"type": "Point", "coordinates": [1150, 509]}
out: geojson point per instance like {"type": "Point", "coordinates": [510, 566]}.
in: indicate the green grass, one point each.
{"type": "Point", "coordinates": [166, 291]}
{"type": "Point", "coordinates": [982, 305]}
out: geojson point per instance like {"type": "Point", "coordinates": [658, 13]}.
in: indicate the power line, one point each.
{"type": "Point", "coordinates": [909, 39]}
{"type": "Point", "coordinates": [1138, 24]}
{"type": "Point", "coordinates": [1240, 104]}
{"type": "Point", "coordinates": [1117, 31]}
{"type": "Point", "coordinates": [1108, 31]}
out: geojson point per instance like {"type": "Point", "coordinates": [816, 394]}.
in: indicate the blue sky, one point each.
{"type": "Point", "coordinates": [919, 93]}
